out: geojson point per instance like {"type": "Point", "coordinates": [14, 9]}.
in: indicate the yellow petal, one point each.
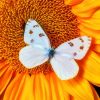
{"type": "Point", "coordinates": [41, 87]}
{"type": "Point", "coordinates": [79, 88]}
{"type": "Point", "coordinates": [27, 92]}
{"type": "Point", "coordinates": [86, 8]}
{"type": "Point", "coordinates": [57, 91]}
{"type": "Point", "coordinates": [5, 79]}
{"type": "Point", "coordinates": [47, 89]}
{"type": "Point", "coordinates": [90, 32]}
{"type": "Point", "coordinates": [92, 22]}
{"type": "Point", "coordinates": [91, 67]}
{"type": "Point", "coordinates": [96, 96]}
{"type": "Point", "coordinates": [72, 2]}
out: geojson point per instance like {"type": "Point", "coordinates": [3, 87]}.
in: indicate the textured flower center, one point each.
{"type": "Point", "coordinates": [56, 19]}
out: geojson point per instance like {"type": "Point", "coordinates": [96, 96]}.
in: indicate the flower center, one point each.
{"type": "Point", "coordinates": [54, 16]}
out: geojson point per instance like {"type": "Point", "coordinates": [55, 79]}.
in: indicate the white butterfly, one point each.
{"type": "Point", "coordinates": [39, 50]}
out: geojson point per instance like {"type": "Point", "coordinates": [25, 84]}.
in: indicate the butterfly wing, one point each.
{"type": "Point", "coordinates": [32, 56]}
{"type": "Point", "coordinates": [63, 61]}
{"type": "Point", "coordinates": [64, 67]}
{"type": "Point", "coordinates": [75, 48]}
{"type": "Point", "coordinates": [34, 34]}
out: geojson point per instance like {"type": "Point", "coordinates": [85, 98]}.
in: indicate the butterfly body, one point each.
{"type": "Point", "coordinates": [51, 53]}
{"type": "Point", "coordinates": [62, 58]}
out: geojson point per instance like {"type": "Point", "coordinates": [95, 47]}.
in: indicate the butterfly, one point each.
{"type": "Point", "coordinates": [62, 59]}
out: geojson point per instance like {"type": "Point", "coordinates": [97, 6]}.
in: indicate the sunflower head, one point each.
{"type": "Point", "coordinates": [57, 20]}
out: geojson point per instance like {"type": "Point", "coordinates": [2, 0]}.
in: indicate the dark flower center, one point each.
{"type": "Point", "coordinates": [56, 19]}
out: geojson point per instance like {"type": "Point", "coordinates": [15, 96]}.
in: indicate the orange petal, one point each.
{"type": "Point", "coordinates": [1, 96]}
{"type": "Point", "coordinates": [72, 2]}
{"type": "Point", "coordinates": [86, 8]}
{"type": "Point", "coordinates": [5, 79]}
{"type": "Point", "coordinates": [96, 48]}
{"type": "Point", "coordinates": [12, 90]}
{"type": "Point", "coordinates": [91, 67]}
{"type": "Point", "coordinates": [96, 96]}
{"type": "Point", "coordinates": [79, 88]}
{"type": "Point", "coordinates": [3, 70]}
{"type": "Point", "coordinates": [3, 63]}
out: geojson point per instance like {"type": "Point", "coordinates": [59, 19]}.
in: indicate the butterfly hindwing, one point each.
{"type": "Point", "coordinates": [63, 62]}
{"type": "Point", "coordinates": [32, 56]}
{"type": "Point", "coordinates": [76, 48]}
{"type": "Point", "coordinates": [64, 67]}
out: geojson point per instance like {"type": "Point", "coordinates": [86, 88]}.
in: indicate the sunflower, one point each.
{"type": "Point", "coordinates": [62, 21]}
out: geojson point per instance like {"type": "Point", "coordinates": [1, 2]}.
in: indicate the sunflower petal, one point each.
{"type": "Point", "coordinates": [56, 89]}
{"type": "Point", "coordinates": [41, 87]}
{"type": "Point", "coordinates": [2, 63]}
{"type": "Point", "coordinates": [72, 2]}
{"type": "Point", "coordinates": [79, 88]}
{"type": "Point", "coordinates": [86, 8]}
{"type": "Point", "coordinates": [96, 96]}
{"type": "Point", "coordinates": [3, 70]}
{"type": "Point", "coordinates": [26, 93]}
{"type": "Point", "coordinates": [92, 33]}
{"type": "Point", "coordinates": [96, 48]}
{"type": "Point", "coordinates": [5, 79]}
{"type": "Point", "coordinates": [13, 88]}
{"type": "Point", "coordinates": [93, 22]}
{"type": "Point", "coordinates": [91, 68]}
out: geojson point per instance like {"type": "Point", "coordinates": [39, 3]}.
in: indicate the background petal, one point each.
{"type": "Point", "coordinates": [93, 22]}
{"type": "Point", "coordinates": [57, 90]}
{"type": "Point", "coordinates": [41, 87]}
{"type": "Point", "coordinates": [5, 77]}
{"type": "Point", "coordinates": [91, 67]}
{"type": "Point", "coordinates": [27, 93]}
{"type": "Point", "coordinates": [14, 88]}
{"type": "Point", "coordinates": [72, 2]}
{"type": "Point", "coordinates": [79, 88]}
{"type": "Point", "coordinates": [86, 8]}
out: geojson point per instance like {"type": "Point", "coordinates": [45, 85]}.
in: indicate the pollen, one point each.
{"type": "Point", "coordinates": [57, 20]}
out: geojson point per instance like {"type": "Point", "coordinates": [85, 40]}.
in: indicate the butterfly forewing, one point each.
{"type": "Point", "coordinates": [34, 34]}
{"type": "Point", "coordinates": [76, 48]}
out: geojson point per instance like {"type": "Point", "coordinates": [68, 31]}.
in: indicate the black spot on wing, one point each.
{"type": "Point", "coordinates": [71, 44]}
{"type": "Point", "coordinates": [35, 26]}
{"type": "Point", "coordinates": [81, 39]}
{"type": "Point", "coordinates": [81, 47]}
